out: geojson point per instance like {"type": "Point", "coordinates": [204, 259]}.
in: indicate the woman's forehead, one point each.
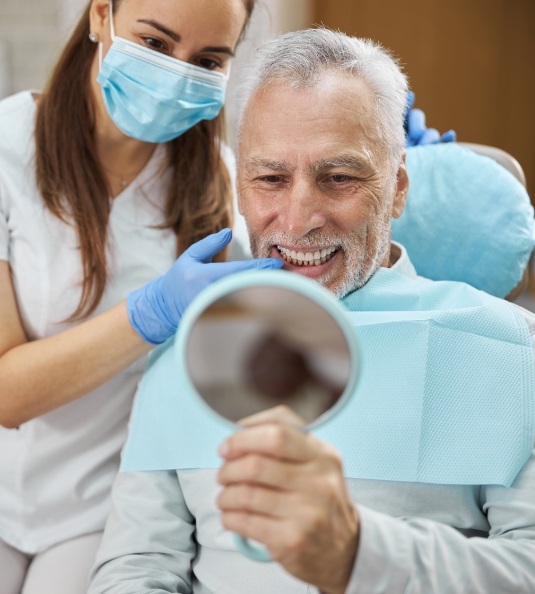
{"type": "Point", "coordinates": [210, 22]}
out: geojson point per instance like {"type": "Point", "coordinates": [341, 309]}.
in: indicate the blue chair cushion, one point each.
{"type": "Point", "coordinates": [466, 219]}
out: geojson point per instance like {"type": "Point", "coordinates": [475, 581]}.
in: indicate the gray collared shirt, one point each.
{"type": "Point", "coordinates": [164, 535]}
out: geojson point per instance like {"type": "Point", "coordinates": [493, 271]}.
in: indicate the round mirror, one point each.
{"type": "Point", "coordinates": [276, 339]}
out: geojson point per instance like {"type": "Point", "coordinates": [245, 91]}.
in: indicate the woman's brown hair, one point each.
{"type": "Point", "coordinates": [72, 182]}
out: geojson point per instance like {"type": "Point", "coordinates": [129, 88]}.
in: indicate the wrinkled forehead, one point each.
{"type": "Point", "coordinates": [336, 114]}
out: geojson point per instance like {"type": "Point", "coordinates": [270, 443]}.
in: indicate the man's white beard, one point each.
{"type": "Point", "coordinates": [359, 266]}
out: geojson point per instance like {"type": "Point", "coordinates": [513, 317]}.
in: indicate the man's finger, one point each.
{"type": "Point", "coordinates": [271, 439]}
{"type": "Point", "coordinates": [277, 414]}
{"type": "Point", "coordinates": [262, 470]}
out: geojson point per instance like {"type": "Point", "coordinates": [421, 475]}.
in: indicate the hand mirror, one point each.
{"type": "Point", "coordinates": [256, 340]}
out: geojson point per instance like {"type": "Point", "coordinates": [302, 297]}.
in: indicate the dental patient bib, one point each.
{"type": "Point", "coordinates": [446, 392]}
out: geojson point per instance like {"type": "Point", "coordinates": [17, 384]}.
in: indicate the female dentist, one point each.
{"type": "Point", "coordinates": [105, 177]}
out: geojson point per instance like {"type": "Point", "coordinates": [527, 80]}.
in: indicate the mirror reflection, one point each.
{"type": "Point", "coordinates": [263, 346]}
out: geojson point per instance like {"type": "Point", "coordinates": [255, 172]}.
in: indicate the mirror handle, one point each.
{"type": "Point", "coordinates": [254, 552]}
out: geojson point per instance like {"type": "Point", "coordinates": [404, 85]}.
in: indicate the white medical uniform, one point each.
{"type": "Point", "coordinates": [56, 471]}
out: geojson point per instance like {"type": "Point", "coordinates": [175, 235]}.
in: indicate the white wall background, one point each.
{"type": "Point", "coordinates": [29, 39]}
{"type": "Point", "coordinates": [32, 32]}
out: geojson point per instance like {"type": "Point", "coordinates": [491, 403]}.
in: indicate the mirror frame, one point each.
{"type": "Point", "coordinates": [277, 279]}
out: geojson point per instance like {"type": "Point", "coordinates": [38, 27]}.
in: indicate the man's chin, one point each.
{"type": "Point", "coordinates": [338, 287]}
{"type": "Point", "coordinates": [343, 289]}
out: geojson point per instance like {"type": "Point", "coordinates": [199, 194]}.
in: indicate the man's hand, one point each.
{"type": "Point", "coordinates": [286, 489]}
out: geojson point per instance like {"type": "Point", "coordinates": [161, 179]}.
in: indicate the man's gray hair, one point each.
{"type": "Point", "coordinates": [301, 57]}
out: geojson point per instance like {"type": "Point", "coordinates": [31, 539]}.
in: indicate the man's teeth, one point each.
{"type": "Point", "coordinates": [307, 258]}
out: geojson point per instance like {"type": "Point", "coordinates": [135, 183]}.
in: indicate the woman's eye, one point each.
{"type": "Point", "coordinates": [209, 64]}
{"type": "Point", "coordinates": [154, 44]}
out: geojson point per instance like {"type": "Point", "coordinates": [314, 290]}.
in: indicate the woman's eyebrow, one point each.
{"type": "Point", "coordinates": [219, 50]}
{"type": "Point", "coordinates": [176, 37]}
{"type": "Point", "coordinates": [162, 28]}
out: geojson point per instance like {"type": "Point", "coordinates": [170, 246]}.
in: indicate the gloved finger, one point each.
{"type": "Point", "coordinates": [430, 136]}
{"type": "Point", "coordinates": [221, 269]}
{"type": "Point", "coordinates": [205, 249]}
{"type": "Point", "coordinates": [416, 125]}
{"type": "Point", "coordinates": [266, 263]}
{"type": "Point", "coordinates": [449, 136]}
{"type": "Point", "coordinates": [410, 101]}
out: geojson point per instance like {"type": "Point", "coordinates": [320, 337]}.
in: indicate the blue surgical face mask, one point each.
{"type": "Point", "coordinates": [155, 98]}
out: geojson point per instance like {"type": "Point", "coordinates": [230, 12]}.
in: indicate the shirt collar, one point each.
{"type": "Point", "coordinates": [403, 264]}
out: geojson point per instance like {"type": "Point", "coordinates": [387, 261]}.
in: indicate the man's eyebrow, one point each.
{"type": "Point", "coordinates": [350, 161]}
{"type": "Point", "coordinates": [176, 37]}
{"type": "Point", "coordinates": [258, 163]}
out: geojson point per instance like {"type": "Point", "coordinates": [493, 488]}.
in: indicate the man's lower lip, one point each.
{"type": "Point", "coordinates": [305, 267]}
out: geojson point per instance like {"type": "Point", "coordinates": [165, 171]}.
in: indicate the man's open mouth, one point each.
{"type": "Point", "coordinates": [302, 258]}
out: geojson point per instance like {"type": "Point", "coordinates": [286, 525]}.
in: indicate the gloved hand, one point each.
{"type": "Point", "coordinates": [415, 128]}
{"type": "Point", "coordinates": [155, 309]}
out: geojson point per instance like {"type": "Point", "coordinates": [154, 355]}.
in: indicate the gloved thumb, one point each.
{"type": "Point", "coordinates": [205, 249]}
{"type": "Point", "coordinates": [410, 102]}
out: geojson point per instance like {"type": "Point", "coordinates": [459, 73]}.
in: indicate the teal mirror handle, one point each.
{"type": "Point", "coordinates": [254, 552]}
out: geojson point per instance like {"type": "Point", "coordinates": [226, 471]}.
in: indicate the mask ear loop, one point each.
{"type": "Point", "coordinates": [112, 26]}
{"type": "Point", "coordinates": [112, 35]}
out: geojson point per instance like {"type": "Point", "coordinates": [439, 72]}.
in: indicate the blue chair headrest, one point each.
{"type": "Point", "coordinates": [466, 219]}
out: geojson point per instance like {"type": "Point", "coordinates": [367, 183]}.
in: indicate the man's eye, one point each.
{"type": "Point", "coordinates": [271, 179]}
{"type": "Point", "coordinates": [340, 178]}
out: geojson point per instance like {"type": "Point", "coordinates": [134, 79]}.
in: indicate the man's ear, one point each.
{"type": "Point", "coordinates": [98, 18]}
{"type": "Point", "coordinates": [401, 191]}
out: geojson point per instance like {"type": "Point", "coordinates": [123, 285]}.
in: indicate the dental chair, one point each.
{"type": "Point", "coordinates": [502, 157]}
{"type": "Point", "coordinates": [468, 217]}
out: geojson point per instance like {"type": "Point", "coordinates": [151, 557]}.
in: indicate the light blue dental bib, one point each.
{"type": "Point", "coordinates": [446, 393]}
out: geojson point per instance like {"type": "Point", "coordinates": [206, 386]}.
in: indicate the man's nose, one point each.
{"type": "Point", "coordinates": [305, 209]}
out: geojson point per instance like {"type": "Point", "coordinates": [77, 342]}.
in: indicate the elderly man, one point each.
{"type": "Point", "coordinates": [320, 175]}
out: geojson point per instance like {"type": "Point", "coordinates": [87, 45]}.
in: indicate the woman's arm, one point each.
{"type": "Point", "coordinates": [39, 376]}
